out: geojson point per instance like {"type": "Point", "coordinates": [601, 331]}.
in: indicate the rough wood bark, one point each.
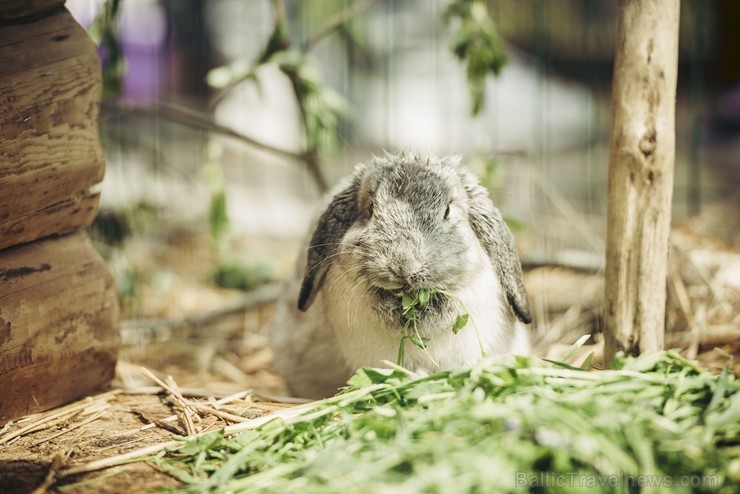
{"type": "Point", "coordinates": [58, 323]}
{"type": "Point", "coordinates": [641, 160]}
{"type": "Point", "coordinates": [50, 154]}
{"type": "Point", "coordinates": [58, 309]}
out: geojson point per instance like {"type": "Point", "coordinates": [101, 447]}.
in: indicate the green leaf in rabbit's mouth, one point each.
{"type": "Point", "coordinates": [409, 303]}
{"type": "Point", "coordinates": [415, 302]}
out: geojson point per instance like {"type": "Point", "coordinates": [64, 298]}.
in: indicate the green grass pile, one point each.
{"type": "Point", "coordinates": [656, 423]}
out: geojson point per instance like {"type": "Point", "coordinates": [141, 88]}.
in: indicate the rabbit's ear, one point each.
{"type": "Point", "coordinates": [496, 238]}
{"type": "Point", "coordinates": [333, 224]}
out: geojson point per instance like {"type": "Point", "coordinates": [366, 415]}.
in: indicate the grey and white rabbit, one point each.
{"type": "Point", "coordinates": [402, 223]}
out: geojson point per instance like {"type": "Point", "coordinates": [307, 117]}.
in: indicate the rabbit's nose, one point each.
{"type": "Point", "coordinates": [409, 272]}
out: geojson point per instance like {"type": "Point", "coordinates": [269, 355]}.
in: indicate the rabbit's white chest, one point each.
{"type": "Point", "coordinates": [483, 301]}
{"type": "Point", "coordinates": [365, 340]}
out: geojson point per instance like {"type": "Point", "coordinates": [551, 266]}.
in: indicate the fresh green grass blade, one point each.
{"type": "Point", "coordinates": [574, 348]}
{"type": "Point", "coordinates": [508, 424]}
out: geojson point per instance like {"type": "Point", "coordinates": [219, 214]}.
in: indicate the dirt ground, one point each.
{"type": "Point", "coordinates": [214, 344]}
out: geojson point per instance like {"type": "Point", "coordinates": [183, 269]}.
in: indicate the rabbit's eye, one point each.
{"type": "Point", "coordinates": [447, 212]}
{"type": "Point", "coordinates": [370, 208]}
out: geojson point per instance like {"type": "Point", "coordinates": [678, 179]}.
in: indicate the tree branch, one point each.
{"type": "Point", "coordinates": [335, 23]}
{"type": "Point", "coordinates": [193, 118]}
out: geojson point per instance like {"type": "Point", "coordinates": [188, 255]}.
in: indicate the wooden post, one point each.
{"type": "Point", "coordinates": [58, 310]}
{"type": "Point", "coordinates": [641, 159]}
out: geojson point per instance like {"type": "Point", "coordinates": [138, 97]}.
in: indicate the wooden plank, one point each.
{"type": "Point", "coordinates": [50, 153]}
{"type": "Point", "coordinates": [58, 323]}
{"type": "Point", "coordinates": [17, 9]}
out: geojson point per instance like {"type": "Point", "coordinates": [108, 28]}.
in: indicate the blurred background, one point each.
{"type": "Point", "coordinates": [223, 122]}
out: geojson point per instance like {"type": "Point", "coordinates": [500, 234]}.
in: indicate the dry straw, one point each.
{"type": "Point", "coordinates": [478, 429]}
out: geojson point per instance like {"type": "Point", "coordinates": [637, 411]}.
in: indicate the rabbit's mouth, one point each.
{"type": "Point", "coordinates": [386, 297]}
{"type": "Point", "coordinates": [429, 314]}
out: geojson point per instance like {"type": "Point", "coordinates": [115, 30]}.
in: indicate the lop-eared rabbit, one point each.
{"type": "Point", "coordinates": [400, 224]}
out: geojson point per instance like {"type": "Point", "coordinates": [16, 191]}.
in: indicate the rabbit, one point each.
{"type": "Point", "coordinates": [401, 223]}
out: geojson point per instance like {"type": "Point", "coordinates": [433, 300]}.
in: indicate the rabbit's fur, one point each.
{"type": "Point", "coordinates": [400, 223]}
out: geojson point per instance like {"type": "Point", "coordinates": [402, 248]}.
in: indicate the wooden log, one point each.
{"type": "Point", "coordinates": [50, 154]}
{"type": "Point", "coordinates": [58, 323]}
{"type": "Point", "coordinates": [58, 310]}
{"type": "Point", "coordinates": [641, 160]}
